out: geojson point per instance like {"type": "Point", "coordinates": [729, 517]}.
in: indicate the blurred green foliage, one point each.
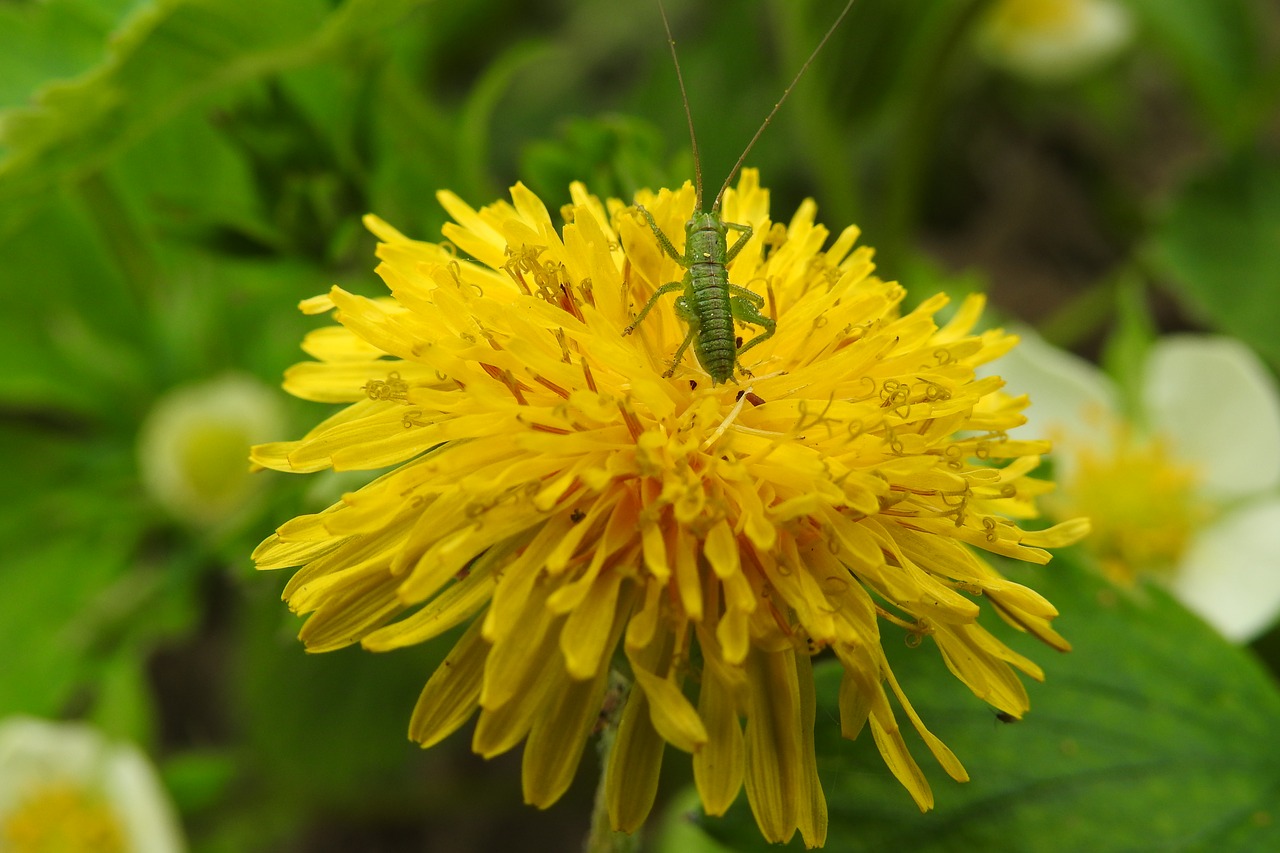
{"type": "Point", "coordinates": [176, 174]}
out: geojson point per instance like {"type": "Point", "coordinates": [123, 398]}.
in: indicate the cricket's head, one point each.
{"type": "Point", "coordinates": [702, 221]}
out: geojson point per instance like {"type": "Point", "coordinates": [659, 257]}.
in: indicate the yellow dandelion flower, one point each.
{"type": "Point", "coordinates": [557, 494]}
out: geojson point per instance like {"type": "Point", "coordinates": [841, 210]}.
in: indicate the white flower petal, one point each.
{"type": "Point", "coordinates": [1220, 408]}
{"type": "Point", "coordinates": [141, 803]}
{"type": "Point", "coordinates": [1231, 573]}
{"type": "Point", "coordinates": [35, 754]}
{"type": "Point", "coordinates": [1073, 403]}
{"type": "Point", "coordinates": [1054, 40]}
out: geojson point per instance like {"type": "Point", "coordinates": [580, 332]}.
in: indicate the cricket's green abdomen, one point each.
{"type": "Point", "coordinates": [715, 345]}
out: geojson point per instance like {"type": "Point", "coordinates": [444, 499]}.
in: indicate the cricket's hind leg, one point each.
{"type": "Point", "coordinates": [669, 287]}
{"type": "Point", "coordinates": [690, 317]}
{"type": "Point", "coordinates": [747, 311]}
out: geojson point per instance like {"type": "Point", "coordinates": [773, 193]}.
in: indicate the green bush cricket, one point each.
{"type": "Point", "coordinates": [709, 304]}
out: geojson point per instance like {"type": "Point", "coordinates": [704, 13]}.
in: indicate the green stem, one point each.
{"type": "Point", "coordinates": [602, 838]}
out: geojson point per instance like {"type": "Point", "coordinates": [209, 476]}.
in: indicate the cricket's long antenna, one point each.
{"type": "Point", "coordinates": [684, 96]}
{"type": "Point", "coordinates": [769, 117]}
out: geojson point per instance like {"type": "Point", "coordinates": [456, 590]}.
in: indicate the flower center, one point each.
{"type": "Point", "coordinates": [193, 444]}
{"type": "Point", "coordinates": [210, 456]}
{"type": "Point", "coordinates": [60, 819]}
{"type": "Point", "coordinates": [1142, 503]}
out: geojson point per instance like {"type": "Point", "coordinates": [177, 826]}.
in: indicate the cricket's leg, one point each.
{"type": "Point", "coordinates": [745, 311]}
{"type": "Point", "coordinates": [663, 240]}
{"type": "Point", "coordinates": [690, 317]}
{"type": "Point", "coordinates": [741, 241]}
{"type": "Point", "coordinates": [669, 287]}
{"type": "Point", "coordinates": [746, 293]}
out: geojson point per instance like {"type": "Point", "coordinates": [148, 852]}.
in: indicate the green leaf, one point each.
{"type": "Point", "coordinates": [197, 779]}
{"type": "Point", "coordinates": [51, 40]}
{"type": "Point", "coordinates": [67, 313]}
{"type": "Point", "coordinates": [613, 155]}
{"type": "Point", "coordinates": [227, 313]}
{"type": "Point", "coordinates": [64, 550]}
{"type": "Point", "coordinates": [187, 181]}
{"type": "Point", "coordinates": [413, 154]}
{"type": "Point", "coordinates": [178, 54]}
{"type": "Point", "coordinates": [1217, 246]}
{"type": "Point", "coordinates": [1153, 734]}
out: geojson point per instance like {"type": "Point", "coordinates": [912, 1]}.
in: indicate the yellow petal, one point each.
{"type": "Point", "coordinates": [278, 553]}
{"type": "Point", "coordinates": [502, 726]}
{"type": "Point", "coordinates": [1058, 536]}
{"type": "Point", "coordinates": [347, 615]}
{"type": "Point", "coordinates": [774, 765]}
{"type": "Point", "coordinates": [811, 816]}
{"type": "Point", "coordinates": [558, 737]}
{"type": "Point", "coordinates": [560, 732]}
{"type": "Point", "coordinates": [452, 694]}
{"type": "Point", "coordinates": [516, 659]}
{"type": "Point", "coordinates": [945, 756]}
{"type": "Point", "coordinates": [674, 717]}
{"type": "Point", "coordinates": [858, 686]}
{"type": "Point", "coordinates": [631, 780]}
{"type": "Point", "coordinates": [584, 641]}
{"type": "Point", "coordinates": [718, 766]}
{"type": "Point", "coordinates": [721, 550]}
{"type": "Point", "coordinates": [888, 738]}
{"type": "Point", "coordinates": [452, 607]}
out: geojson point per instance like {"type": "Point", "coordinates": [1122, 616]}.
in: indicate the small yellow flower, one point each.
{"type": "Point", "coordinates": [1053, 39]}
{"type": "Point", "coordinates": [192, 445]}
{"type": "Point", "coordinates": [1183, 483]}
{"type": "Point", "coordinates": [560, 497]}
{"type": "Point", "coordinates": [64, 787]}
